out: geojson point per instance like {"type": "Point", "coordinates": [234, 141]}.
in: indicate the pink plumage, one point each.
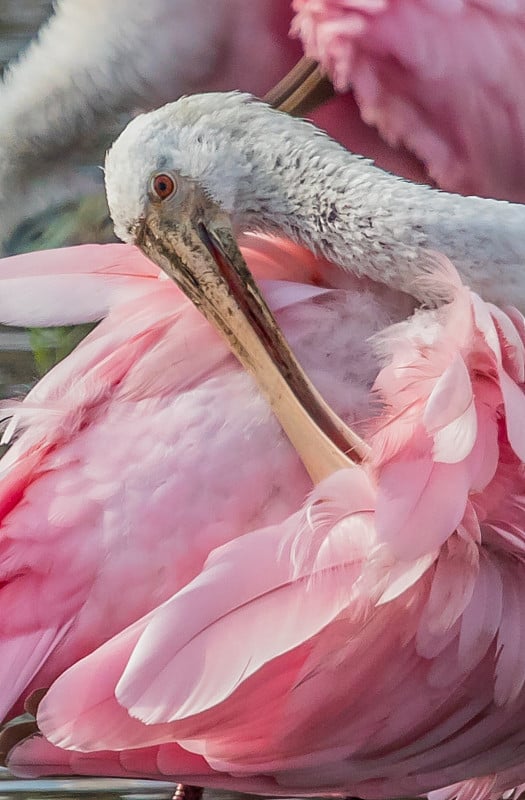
{"type": "Point", "coordinates": [363, 641]}
{"type": "Point", "coordinates": [148, 446]}
{"type": "Point", "coordinates": [441, 79]}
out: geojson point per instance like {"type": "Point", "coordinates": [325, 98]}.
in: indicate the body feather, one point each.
{"type": "Point", "coordinates": [324, 654]}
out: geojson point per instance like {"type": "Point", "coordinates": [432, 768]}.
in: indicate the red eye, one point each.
{"type": "Point", "coordinates": [163, 185]}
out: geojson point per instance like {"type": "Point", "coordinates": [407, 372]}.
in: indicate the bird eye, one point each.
{"type": "Point", "coordinates": [163, 185]}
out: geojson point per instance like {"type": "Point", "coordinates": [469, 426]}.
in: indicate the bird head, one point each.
{"type": "Point", "coordinates": [199, 142]}
{"type": "Point", "coordinates": [178, 181]}
{"type": "Point", "coordinates": [172, 180]}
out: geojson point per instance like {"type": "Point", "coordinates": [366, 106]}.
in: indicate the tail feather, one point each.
{"type": "Point", "coordinates": [35, 757]}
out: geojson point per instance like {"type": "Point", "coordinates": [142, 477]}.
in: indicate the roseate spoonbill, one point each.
{"type": "Point", "coordinates": [375, 630]}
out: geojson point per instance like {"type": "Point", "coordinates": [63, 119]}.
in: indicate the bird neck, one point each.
{"type": "Point", "coordinates": [379, 225]}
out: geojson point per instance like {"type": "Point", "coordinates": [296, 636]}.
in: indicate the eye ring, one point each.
{"type": "Point", "coordinates": [163, 186]}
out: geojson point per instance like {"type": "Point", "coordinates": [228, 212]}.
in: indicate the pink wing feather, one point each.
{"type": "Point", "coordinates": [72, 285]}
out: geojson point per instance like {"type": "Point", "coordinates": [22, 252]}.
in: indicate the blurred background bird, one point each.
{"type": "Point", "coordinates": [433, 92]}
